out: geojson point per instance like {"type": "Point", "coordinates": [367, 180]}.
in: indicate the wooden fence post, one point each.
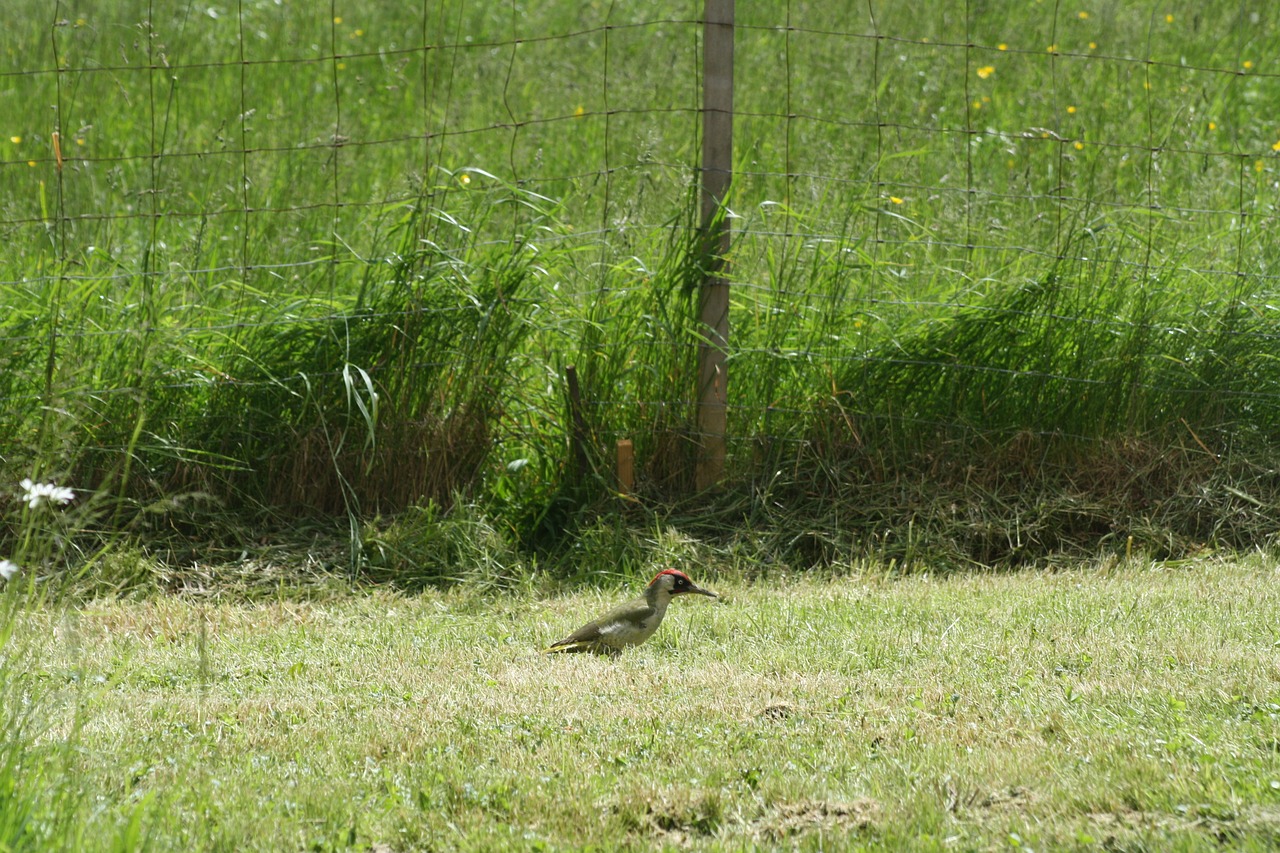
{"type": "Point", "coordinates": [626, 466]}
{"type": "Point", "coordinates": [577, 428]}
{"type": "Point", "coordinates": [716, 172]}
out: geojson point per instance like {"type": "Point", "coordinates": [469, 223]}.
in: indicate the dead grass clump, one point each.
{"type": "Point", "coordinates": [418, 460]}
{"type": "Point", "coordinates": [685, 819]}
{"type": "Point", "coordinates": [680, 819]}
{"type": "Point", "coordinates": [1013, 798]}
{"type": "Point", "coordinates": [777, 712]}
{"type": "Point", "coordinates": [975, 499]}
{"type": "Point", "coordinates": [801, 818]}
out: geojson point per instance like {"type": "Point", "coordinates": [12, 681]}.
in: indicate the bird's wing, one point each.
{"type": "Point", "coordinates": [588, 633]}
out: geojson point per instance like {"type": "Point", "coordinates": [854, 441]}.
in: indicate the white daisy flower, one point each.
{"type": "Point", "coordinates": [37, 493]}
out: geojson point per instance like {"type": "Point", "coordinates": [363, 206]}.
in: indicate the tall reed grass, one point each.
{"type": "Point", "coordinates": [307, 269]}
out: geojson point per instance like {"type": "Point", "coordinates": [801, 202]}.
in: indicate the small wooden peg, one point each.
{"type": "Point", "coordinates": [626, 466]}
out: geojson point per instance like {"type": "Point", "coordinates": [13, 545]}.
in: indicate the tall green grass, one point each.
{"type": "Point", "coordinates": [294, 264]}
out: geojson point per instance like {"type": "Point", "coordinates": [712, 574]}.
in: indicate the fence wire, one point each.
{"type": "Point", "coordinates": [174, 177]}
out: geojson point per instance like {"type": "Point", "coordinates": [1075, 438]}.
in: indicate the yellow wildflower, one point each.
{"type": "Point", "coordinates": [986, 71]}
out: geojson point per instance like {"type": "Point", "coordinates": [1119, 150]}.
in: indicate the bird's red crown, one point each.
{"type": "Point", "coordinates": [673, 572]}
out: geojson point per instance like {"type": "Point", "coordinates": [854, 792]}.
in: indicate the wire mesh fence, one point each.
{"type": "Point", "coordinates": [992, 216]}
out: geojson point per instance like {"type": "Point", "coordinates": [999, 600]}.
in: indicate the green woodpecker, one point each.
{"type": "Point", "coordinates": [632, 623]}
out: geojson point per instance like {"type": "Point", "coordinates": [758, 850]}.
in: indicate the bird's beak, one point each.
{"type": "Point", "coordinates": [700, 591]}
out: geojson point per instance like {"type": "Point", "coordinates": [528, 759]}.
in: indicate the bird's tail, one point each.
{"type": "Point", "coordinates": [581, 646]}
{"type": "Point", "coordinates": [566, 648]}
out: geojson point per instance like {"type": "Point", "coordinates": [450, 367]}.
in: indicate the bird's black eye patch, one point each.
{"type": "Point", "coordinates": [681, 583]}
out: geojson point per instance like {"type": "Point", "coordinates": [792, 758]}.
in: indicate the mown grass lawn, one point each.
{"type": "Point", "coordinates": [1135, 705]}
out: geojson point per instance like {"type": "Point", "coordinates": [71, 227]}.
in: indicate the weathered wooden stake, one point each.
{"type": "Point", "coordinates": [578, 431]}
{"type": "Point", "coordinates": [716, 172]}
{"type": "Point", "coordinates": [626, 466]}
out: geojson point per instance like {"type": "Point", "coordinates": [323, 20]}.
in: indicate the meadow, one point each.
{"type": "Point", "coordinates": [289, 263]}
{"type": "Point", "coordinates": [1129, 706]}
{"type": "Point", "coordinates": [287, 296]}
